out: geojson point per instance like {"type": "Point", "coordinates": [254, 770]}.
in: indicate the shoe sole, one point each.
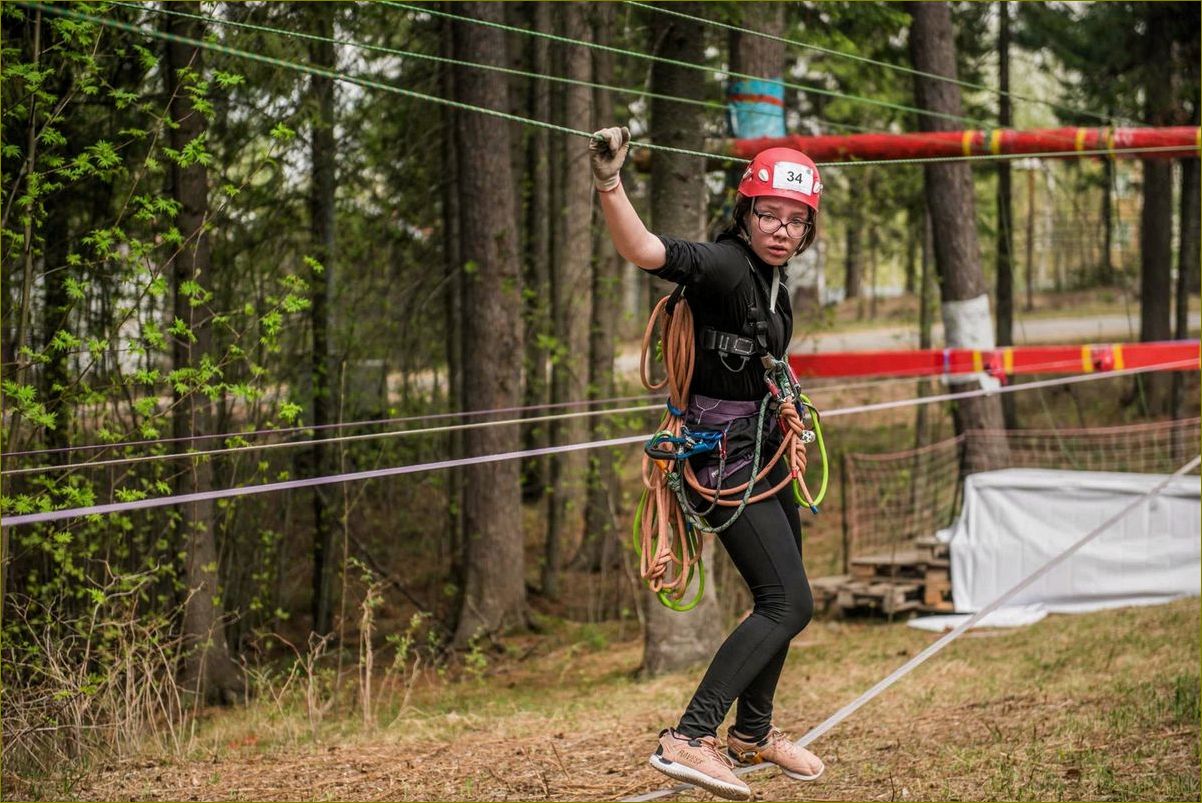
{"type": "Point", "coordinates": [794, 775]}
{"type": "Point", "coordinates": [680, 772]}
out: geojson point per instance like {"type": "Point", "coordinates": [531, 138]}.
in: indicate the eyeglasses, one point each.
{"type": "Point", "coordinates": [770, 224]}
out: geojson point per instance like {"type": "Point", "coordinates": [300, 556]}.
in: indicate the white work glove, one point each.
{"type": "Point", "coordinates": [607, 151]}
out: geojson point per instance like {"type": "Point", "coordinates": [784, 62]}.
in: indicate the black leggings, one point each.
{"type": "Point", "coordinates": [765, 545]}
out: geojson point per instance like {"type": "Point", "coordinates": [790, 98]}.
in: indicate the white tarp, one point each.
{"type": "Point", "coordinates": [1015, 520]}
{"type": "Point", "coordinates": [1005, 616]}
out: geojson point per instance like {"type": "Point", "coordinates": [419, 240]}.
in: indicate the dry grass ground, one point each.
{"type": "Point", "coordinates": [1101, 706]}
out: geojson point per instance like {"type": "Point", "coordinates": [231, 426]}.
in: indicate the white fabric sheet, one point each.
{"type": "Point", "coordinates": [1015, 520]}
{"type": "Point", "coordinates": [1006, 616]}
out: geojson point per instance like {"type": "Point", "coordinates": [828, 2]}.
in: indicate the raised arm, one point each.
{"type": "Point", "coordinates": [607, 151]}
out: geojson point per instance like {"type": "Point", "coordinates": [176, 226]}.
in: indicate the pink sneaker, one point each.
{"type": "Point", "coordinates": [700, 762]}
{"type": "Point", "coordinates": [794, 760]}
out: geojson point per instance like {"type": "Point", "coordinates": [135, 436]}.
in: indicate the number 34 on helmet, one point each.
{"type": "Point", "coordinates": [782, 173]}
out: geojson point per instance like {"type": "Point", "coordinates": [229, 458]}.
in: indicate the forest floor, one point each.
{"type": "Point", "coordinates": [1100, 706]}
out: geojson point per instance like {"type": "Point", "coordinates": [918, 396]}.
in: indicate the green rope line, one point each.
{"type": "Point", "coordinates": [866, 60]}
{"type": "Point", "coordinates": [683, 64]}
{"type": "Point", "coordinates": [426, 56]}
{"type": "Point", "coordinates": [373, 84]}
{"type": "Point", "coordinates": [336, 76]}
{"type": "Point", "coordinates": [642, 93]}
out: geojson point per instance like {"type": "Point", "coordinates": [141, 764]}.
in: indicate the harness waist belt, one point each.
{"type": "Point", "coordinates": [727, 343]}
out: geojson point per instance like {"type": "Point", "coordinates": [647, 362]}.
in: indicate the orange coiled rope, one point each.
{"type": "Point", "coordinates": [667, 535]}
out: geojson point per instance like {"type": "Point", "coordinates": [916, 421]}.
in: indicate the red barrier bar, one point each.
{"type": "Point", "coordinates": [998, 362]}
{"type": "Point", "coordinates": [1186, 142]}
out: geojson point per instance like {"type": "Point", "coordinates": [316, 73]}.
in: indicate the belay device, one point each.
{"type": "Point", "coordinates": [667, 527]}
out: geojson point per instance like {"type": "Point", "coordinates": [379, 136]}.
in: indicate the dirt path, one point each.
{"type": "Point", "coordinates": [1099, 706]}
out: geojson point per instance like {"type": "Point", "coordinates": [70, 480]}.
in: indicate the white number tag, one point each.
{"type": "Point", "coordinates": [793, 176]}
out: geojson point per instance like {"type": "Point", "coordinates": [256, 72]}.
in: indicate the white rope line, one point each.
{"type": "Point", "coordinates": [258, 447]}
{"type": "Point", "coordinates": [176, 499]}
{"type": "Point", "coordinates": [903, 670]}
{"type": "Point", "coordinates": [133, 459]}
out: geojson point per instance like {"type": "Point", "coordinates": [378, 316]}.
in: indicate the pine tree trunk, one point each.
{"type": "Point", "coordinates": [759, 55]}
{"type": "Point", "coordinates": [537, 275]}
{"type": "Point", "coordinates": [321, 228]}
{"type": "Point", "coordinates": [675, 640]}
{"type": "Point", "coordinates": [599, 549]}
{"type": "Point", "coordinates": [853, 259]}
{"type": "Point", "coordinates": [571, 282]}
{"type": "Point", "coordinates": [453, 291]}
{"type": "Point", "coordinates": [949, 193]}
{"type": "Point", "coordinates": [1156, 218]}
{"type": "Point", "coordinates": [494, 594]}
{"type": "Point", "coordinates": [1005, 212]}
{"type": "Point", "coordinates": [1187, 269]}
{"type": "Point", "coordinates": [208, 669]}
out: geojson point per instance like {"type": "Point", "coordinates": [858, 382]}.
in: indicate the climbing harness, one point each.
{"type": "Point", "coordinates": [667, 527]}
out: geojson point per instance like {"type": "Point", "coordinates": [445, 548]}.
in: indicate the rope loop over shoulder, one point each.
{"type": "Point", "coordinates": [667, 526]}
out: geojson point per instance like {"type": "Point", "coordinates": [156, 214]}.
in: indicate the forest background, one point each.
{"type": "Point", "coordinates": [209, 252]}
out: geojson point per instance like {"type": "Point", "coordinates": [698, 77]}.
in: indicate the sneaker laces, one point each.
{"type": "Point", "coordinates": [711, 745]}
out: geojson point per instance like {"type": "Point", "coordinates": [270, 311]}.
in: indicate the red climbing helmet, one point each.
{"type": "Point", "coordinates": [783, 173]}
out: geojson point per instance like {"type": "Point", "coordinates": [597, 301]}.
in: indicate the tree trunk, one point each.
{"type": "Point", "coordinates": [675, 640]}
{"type": "Point", "coordinates": [538, 256]}
{"type": "Point", "coordinates": [1106, 264]}
{"type": "Point", "coordinates": [949, 192]}
{"type": "Point", "coordinates": [453, 292]}
{"type": "Point", "coordinates": [494, 594]}
{"type": "Point", "coordinates": [1030, 245]}
{"type": "Point", "coordinates": [759, 55]}
{"type": "Point", "coordinates": [853, 264]}
{"type": "Point", "coordinates": [1156, 219]}
{"type": "Point", "coordinates": [1187, 268]}
{"type": "Point", "coordinates": [1005, 212]}
{"type": "Point", "coordinates": [321, 228]}
{"type": "Point", "coordinates": [208, 669]}
{"type": "Point", "coordinates": [571, 280]}
{"type": "Point", "coordinates": [599, 549]}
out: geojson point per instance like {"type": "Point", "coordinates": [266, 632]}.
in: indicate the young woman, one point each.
{"type": "Point", "coordinates": [732, 286]}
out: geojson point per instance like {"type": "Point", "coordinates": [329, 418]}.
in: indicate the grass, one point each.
{"type": "Point", "coordinates": [1099, 706]}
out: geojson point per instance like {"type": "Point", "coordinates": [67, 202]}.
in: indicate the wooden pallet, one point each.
{"type": "Point", "coordinates": [900, 563]}
{"type": "Point", "coordinates": [932, 547]}
{"type": "Point", "coordinates": [888, 598]}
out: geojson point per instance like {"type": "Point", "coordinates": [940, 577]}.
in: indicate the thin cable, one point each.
{"type": "Point", "coordinates": [909, 666]}
{"type": "Point", "coordinates": [428, 57]}
{"type": "Point", "coordinates": [321, 427]}
{"type": "Point", "coordinates": [177, 499]}
{"type": "Point", "coordinates": [337, 76]}
{"type": "Point", "coordinates": [135, 459]}
{"type": "Point", "coordinates": [684, 64]}
{"type": "Point", "coordinates": [260, 447]}
{"type": "Point", "coordinates": [866, 60]}
{"type": "Point", "coordinates": [372, 84]}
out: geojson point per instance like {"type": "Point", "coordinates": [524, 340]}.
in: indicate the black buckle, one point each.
{"type": "Point", "coordinates": [727, 343]}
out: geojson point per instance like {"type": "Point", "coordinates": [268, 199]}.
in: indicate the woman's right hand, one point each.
{"type": "Point", "coordinates": [607, 151]}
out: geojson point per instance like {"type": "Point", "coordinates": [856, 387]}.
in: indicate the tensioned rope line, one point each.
{"type": "Point", "coordinates": [817, 90]}
{"type": "Point", "coordinates": [337, 76]}
{"type": "Point", "coordinates": [429, 57]}
{"type": "Point", "coordinates": [909, 666]}
{"type": "Point", "coordinates": [875, 62]}
{"type": "Point", "coordinates": [135, 459]}
{"type": "Point", "coordinates": [373, 84]}
{"type": "Point", "coordinates": [224, 493]}
{"type": "Point", "coordinates": [818, 387]}
{"type": "Point", "coordinates": [260, 447]}
{"type": "Point", "coordinates": [371, 422]}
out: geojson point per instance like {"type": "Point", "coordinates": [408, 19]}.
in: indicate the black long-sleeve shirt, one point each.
{"type": "Point", "coordinates": [721, 286]}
